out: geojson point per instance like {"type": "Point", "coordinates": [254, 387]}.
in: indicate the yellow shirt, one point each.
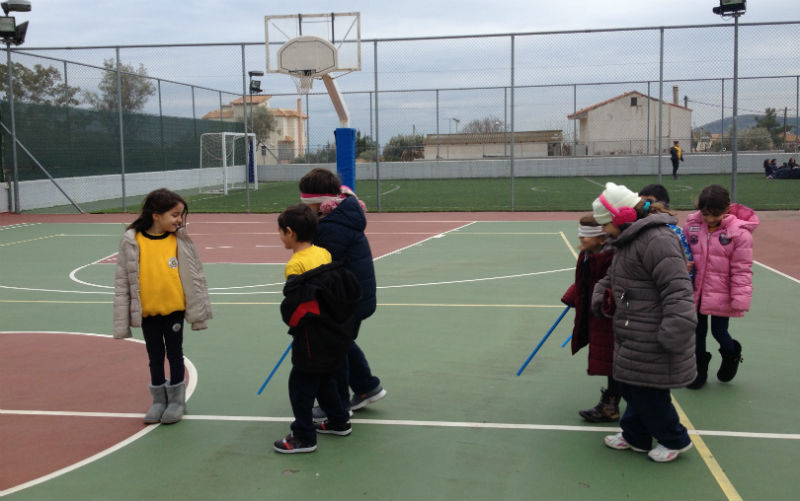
{"type": "Point", "coordinates": [307, 259]}
{"type": "Point", "coordinates": [160, 289]}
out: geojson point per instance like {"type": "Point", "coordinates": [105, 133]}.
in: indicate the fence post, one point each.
{"type": "Point", "coordinates": [660, 100]}
{"type": "Point", "coordinates": [161, 127]}
{"type": "Point", "coordinates": [438, 137]}
{"type": "Point", "coordinates": [512, 122]}
{"type": "Point", "coordinates": [13, 131]}
{"type": "Point", "coordinates": [246, 137]}
{"type": "Point", "coordinates": [377, 127]}
{"type": "Point", "coordinates": [121, 131]}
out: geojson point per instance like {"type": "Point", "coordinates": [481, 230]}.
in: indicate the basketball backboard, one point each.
{"type": "Point", "coordinates": [342, 31]}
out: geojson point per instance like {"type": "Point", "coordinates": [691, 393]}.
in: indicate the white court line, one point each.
{"type": "Point", "coordinates": [784, 275]}
{"type": "Point", "coordinates": [438, 235]}
{"type": "Point", "coordinates": [407, 422]}
{"type": "Point", "coordinates": [594, 182]}
{"type": "Point", "coordinates": [477, 279]}
{"type": "Point", "coordinates": [190, 388]}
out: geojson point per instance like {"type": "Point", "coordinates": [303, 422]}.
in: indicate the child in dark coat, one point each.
{"type": "Point", "coordinates": [597, 332]}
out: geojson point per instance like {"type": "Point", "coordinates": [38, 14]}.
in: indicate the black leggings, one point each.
{"type": "Point", "coordinates": [163, 334]}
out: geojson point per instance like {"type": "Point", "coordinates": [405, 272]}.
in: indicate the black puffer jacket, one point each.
{"type": "Point", "coordinates": [318, 307]}
{"type": "Point", "coordinates": [342, 233]}
{"type": "Point", "coordinates": [655, 318]}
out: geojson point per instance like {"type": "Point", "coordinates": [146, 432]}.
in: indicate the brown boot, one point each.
{"type": "Point", "coordinates": [604, 412]}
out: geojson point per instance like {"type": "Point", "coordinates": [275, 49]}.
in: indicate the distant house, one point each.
{"type": "Point", "coordinates": [628, 124]}
{"type": "Point", "coordinates": [285, 142]}
{"type": "Point", "coordinates": [537, 143]}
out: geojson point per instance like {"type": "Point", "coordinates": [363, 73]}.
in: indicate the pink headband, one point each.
{"type": "Point", "coordinates": [318, 198]}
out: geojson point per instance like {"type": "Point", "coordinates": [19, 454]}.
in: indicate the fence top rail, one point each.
{"type": "Point", "coordinates": [436, 37]}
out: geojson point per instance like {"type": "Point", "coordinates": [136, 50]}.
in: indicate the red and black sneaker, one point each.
{"type": "Point", "coordinates": [326, 426]}
{"type": "Point", "coordinates": [291, 445]}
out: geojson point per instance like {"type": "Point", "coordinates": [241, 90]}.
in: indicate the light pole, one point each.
{"type": "Point", "coordinates": [255, 86]}
{"type": "Point", "coordinates": [735, 9]}
{"type": "Point", "coordinates": [13, 34]}
{"type": "Point", "coordinates": [456, 120]}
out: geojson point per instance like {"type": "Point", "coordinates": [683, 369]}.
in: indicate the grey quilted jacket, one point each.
{"type": "Point", "coordinates": [127, 304]}
{"type": "Point", "coordinates": [654, 321]}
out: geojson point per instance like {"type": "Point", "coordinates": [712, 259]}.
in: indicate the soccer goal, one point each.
{"type": "Point", "coordinates": [223, 156]}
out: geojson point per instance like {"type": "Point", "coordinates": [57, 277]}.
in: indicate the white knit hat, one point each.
{"type": "Point", "coordinates": [618, 196]}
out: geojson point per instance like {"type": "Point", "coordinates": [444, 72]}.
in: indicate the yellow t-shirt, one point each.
{"type": "Point", "coordinates": [160, 289]}
{"type": "Point", "coordinates": [307, 259]}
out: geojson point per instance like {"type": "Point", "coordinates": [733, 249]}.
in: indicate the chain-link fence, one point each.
{"type": "Point", "coordinates": [98, 127]}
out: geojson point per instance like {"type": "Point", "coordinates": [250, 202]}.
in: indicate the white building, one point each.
{"type": "Point", "coordinates": [537, 143]}
{"type": "Point", "coordinates": [285, 142]}
{"type": "Point", "coordinates": [628, 124]}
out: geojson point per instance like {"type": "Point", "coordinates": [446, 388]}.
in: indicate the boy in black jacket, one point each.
{"type": "Point", "coordinates": [319, 300]}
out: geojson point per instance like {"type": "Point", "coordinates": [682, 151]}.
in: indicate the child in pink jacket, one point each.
{"type": "Point", "coordinates": [720, 236]}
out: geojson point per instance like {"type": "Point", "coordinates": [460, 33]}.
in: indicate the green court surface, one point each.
{"type": "Point", "coordinates": [459, 312]}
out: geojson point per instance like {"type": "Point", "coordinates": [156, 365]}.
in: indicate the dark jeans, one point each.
{"type": "Point", "coordinates": [719, 329]}
{"type": "Point", "coordinates": [163, 334]}
{"type": "Point", "coordinates": [650, 414]}
{"type": "Point", "coordinates": [304, 387]}
{"type": "Point", "coordinates": [675, 165]}
{"type": "Point", "coordinates": [355, 372]}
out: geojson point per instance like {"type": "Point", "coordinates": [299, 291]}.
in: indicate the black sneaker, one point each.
{"type": "Point", "coordinates": [363, 399]}
{"type": "Point", "coordinates": [318, 415]}
{"type": "Point", "coordinates": [329, 428]}
{"type": "Point", "coordinates": [291, 445]}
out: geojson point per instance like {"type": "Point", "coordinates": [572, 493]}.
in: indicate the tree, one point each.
{"type": "Point", "coordinates": [365, 147]}
{"type": "Point", "coordinates": [484, 125]}
{"type": "Point", "coordinates": [770, 122]}
{"type": "Point", "coordinates": [263, 123]}
{"type": "Point", "coordinates": [400, 144]}
{"type": "Point", "coordinates": [754, 138]}
{"type": "Point", "coordinates": [135, 88]}
{"type": "Point", "coordinates": [41, 85]}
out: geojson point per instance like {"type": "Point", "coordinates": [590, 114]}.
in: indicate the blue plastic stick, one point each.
{"type": "Point", "coordinates": [542, 341]}
{"type": "Point", "coordinates": [275, 368]}
{"type": "Point", "coordinates": [566, 341]}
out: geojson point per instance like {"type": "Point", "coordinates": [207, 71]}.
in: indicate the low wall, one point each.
{"type": "Point", "coordinates": [43, 193]}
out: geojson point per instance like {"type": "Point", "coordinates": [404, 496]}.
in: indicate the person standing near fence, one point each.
{"type": "Point", "coordinates": [159, 281]}
{"type": "Point", "coordinates": [676, 157]}
{"type": "Point", "coordinates": [654, 321]}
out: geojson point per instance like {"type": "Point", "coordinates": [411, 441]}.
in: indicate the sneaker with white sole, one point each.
{"type": "Point", "coordinates": [292, 445]}
{"type": "Point", "coordinates": [619, 443]}
{"type": "Point", "coordinates": [363, 399]}
{"type": "Point", "coordinates": [329, 428]}
{"type": "Point", "coordinates": [663, 454]}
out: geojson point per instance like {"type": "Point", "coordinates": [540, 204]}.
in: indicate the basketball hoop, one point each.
{"type": "Point", "coordinates": [303, 80]}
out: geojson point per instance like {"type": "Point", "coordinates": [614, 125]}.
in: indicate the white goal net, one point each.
{"type": "Point", "coordinates": [223, 162]}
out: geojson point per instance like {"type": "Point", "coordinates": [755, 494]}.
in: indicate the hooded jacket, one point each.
{"type": "Point", "coordinates": [128, 304]}
{"type": "Point", "coordinates": [596, 331]}
{"type": "Point", "coordinates": [342, 233]}
{"type": "Point", "coordinates": [317, 306]}
{"type": "Point", "coordinates": [723, 261]}
{"type": "Point", "coordinates": [654, 322]}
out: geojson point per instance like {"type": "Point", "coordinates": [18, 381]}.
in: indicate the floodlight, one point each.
{"type": "Point", "coordinates": [730, 7]}
{"type": "Point", "coordinates": [255, 86]}
{"type": "Point", "coordinates": [8, 27]}
{"type": "Point", "coordinates": [255, 73]}
{"type": "Point", "coordinates": [16, 6]}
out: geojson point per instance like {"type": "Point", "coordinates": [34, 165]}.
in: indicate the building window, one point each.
{"type": "Point", "coordinates": [634, 101]}
{"type": "Point", "coordinates": [285, 151]}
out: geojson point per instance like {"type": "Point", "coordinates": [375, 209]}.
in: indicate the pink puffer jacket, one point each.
{"type": "Point", "coordinates": [723, 260]}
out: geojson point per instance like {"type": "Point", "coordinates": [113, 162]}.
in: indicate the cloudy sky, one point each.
{"type": "Point", "coordinates": [58, 23]}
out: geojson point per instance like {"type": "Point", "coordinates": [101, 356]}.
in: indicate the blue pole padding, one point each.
{"type": "Point", "coordinates": [275, 368]}
{"type": "Point", "coordinates": [346, 156]}
{"type": "Point", "coordinates": [566, 341]}
{"type": "Point", "coordinates": [552, 328]}
{"type": "Point", "coordinates": [250, 168]}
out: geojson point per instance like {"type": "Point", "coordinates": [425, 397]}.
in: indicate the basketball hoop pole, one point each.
{"type": "Point", "coordinates": [336, 99]}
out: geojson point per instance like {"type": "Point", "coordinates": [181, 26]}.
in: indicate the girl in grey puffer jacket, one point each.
{"type": "Point", "coordinates": [654, 320]}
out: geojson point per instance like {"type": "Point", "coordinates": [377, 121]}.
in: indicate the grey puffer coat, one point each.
{"type": "Point", "coordinates": [128, 305]}
{"type": "Point", "coordinates": [654, 321]}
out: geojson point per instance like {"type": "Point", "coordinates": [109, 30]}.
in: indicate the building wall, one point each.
{"type": "Point", "coordinates": [619, 128]}
{"type": "Point", "coordinates": [473, 151]}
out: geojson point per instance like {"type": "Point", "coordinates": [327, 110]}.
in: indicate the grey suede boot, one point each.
{"type": "Point", "coordinates": [176, 403]}
{"type": "Point", "coordinates": [159, 394]}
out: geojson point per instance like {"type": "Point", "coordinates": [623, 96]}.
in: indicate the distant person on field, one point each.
{"type": "Point", "coordinates": [596, 331]}
{"type": "Point", "coordinates": [676, 157]}
{"type": "Point", "coordinates": [654, 321]}
{"type": "Point", "coordinates": [159, 281]}
{"type": "Point", "coordinates": [768, 170]}
{"type": "Point", "coordinates": [319, 300]}
{"type": "Point", "coordinates": [658, 193]}
{"type": "Point", "coordinates": [792, 164]}
{"type": "Point", "coordinates": [341, 231]}
{"type": "Point", "coordinates": [721, 237]}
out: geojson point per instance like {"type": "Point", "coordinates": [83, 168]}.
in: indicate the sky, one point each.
{"type": "Point", "coordinates": [60, 23]}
